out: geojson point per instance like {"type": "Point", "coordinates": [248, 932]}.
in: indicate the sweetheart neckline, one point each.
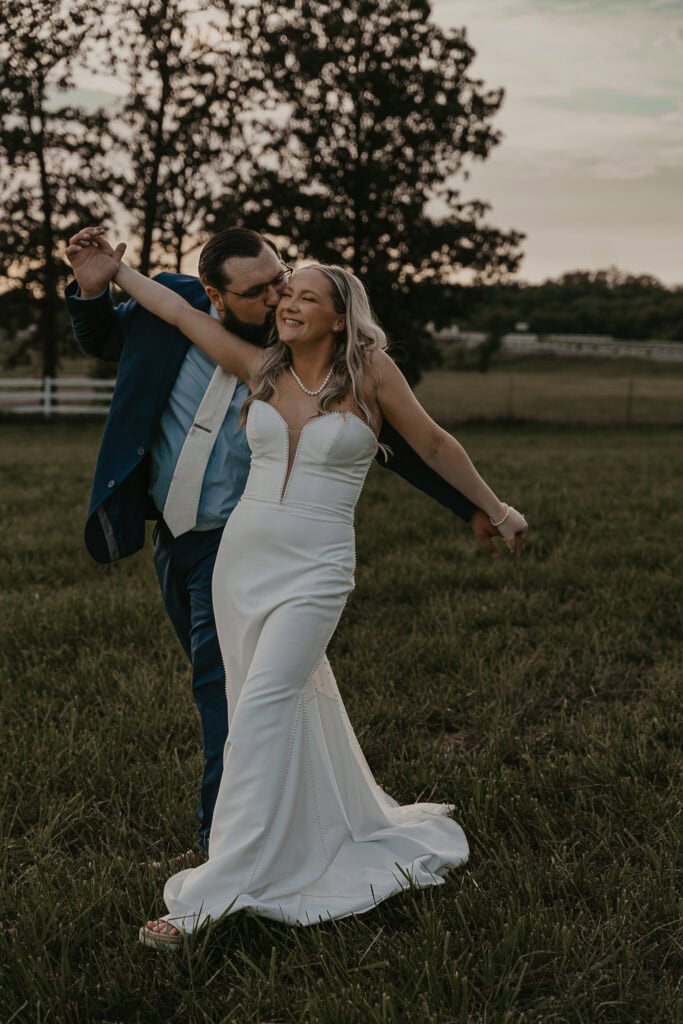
{"type": "Point", "coordinates": [289, 468]}
{"type": "Point", "coordinates": [320, 416]}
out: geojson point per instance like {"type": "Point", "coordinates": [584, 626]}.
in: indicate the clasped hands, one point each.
{"type": "Point", "coordinates": [513, 531]}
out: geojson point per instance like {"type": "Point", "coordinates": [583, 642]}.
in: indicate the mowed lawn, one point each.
{"type": "Point", "coordinates": [578, 390]}
{"type": "Point", "coordinates": [541, 698]}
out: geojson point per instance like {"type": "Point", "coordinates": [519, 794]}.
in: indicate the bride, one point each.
{"type": "Point", "coordinates": [301, 831]}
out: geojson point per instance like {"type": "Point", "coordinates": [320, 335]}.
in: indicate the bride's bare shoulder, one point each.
{"type": "Point", "coordinates": [379, 363]}
{"type": "Point", "coordinates": [382, 370]}
{"type": "Point", "coordinates": [379, 357]}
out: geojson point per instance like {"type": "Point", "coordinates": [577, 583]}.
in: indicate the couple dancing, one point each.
{"type": "Point", "coordinates": [299, 829]}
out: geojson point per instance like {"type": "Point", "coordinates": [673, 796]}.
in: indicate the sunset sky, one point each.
{"type": "Point", "coordinates": [591, 166]}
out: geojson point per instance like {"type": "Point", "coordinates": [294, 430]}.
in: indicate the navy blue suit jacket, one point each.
{"type": "Point", "coordinates": [149, 353]}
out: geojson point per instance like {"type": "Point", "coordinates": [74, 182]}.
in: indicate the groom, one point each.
{"type": "Point", "coordinates": [172, 450]}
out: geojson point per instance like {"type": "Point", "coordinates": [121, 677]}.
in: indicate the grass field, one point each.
{"type": "Point", "coordinates": [593, 391]}
{"type": "Point", "coordinates": [540, 388]}
{"type": "Point", "coordinates": [540, 697]}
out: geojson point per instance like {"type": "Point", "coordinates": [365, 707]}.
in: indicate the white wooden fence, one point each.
{"type": "Point", "coordinates": [62, 396]}
{"type": "Point", "coordinates": [519, 343]}
{"type": "Point", "coordinates": [66, 396]}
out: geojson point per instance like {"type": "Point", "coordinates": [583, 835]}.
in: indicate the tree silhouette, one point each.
{"type": "Point", "coordinates": [50, 152]}
{"type": "Point", "coordinates": [601, 302]}
{"type": "Point", "coordinates": [381, 116]}
{"type": "Point", "coordinates": [192, 76]}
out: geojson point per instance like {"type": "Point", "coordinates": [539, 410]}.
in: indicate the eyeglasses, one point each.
{"type": "Point", "coordinates": [258, 290]}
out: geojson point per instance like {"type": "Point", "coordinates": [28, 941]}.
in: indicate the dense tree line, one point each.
{"type": "Point", "coordinates": [607, 302]}
{"type": "Point", "coordinates": [333, 127]}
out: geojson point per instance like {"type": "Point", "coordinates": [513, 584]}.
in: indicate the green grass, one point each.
{"type": "Point", "coordinates": [540, 697]}
{"type": "Point", "coordinates": [531, 388]}
{"type": "Point", "coordinates": [567, 391]}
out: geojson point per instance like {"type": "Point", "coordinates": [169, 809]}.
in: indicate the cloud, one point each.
{"type": "Point", "coordinates": [613, 7]}
{"type": "Point", "coordinates": [593, 127]}
{"type": "Point", "coordinates": [89, 100]}
{"type": "Point", "coordinates": [613, 101]}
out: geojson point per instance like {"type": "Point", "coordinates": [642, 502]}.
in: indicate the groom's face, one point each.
{"type": "Point", "coordinates": [246, 303]}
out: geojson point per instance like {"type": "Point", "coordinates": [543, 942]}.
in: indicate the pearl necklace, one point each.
{"type": "Point", "coordinates": [303, 387]}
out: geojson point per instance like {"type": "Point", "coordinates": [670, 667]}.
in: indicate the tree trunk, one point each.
{"type": "Point", "coordinates": [48, 312]}
{"type": "Point", "coordinates": [179, 239]}
{"type": "Point", "coordinates": [358, 189]}
{"type": "Point", "coordinates": [48, 321]}
{"type": "Point", "coordinates": [152, 188]}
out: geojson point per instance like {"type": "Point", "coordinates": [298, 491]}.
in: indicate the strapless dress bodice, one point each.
{"type": "Point", "coordinates": [332, 458]}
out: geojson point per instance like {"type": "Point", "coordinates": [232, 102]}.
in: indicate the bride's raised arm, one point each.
{"type": "Point", "coordinates": [439, 449]}
{"type": "Point", "coordinates": [225, 348]}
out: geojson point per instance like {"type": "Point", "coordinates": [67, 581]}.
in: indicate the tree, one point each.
{"type": "Point", "coordinates": [382, 116]}
{"type": "Point", "coordinates": [50, 152]}
{"type": "Point", "coordinates": [606, 302]}
{"type": "Point", "coordinates": [193, 79]}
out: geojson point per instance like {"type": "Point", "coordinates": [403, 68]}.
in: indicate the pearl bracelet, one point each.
{"type": "Point", "coordinates": [501, 521]}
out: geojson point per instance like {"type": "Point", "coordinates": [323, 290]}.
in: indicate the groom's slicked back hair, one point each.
{"type": "Point", "coordinates": [241, 242]}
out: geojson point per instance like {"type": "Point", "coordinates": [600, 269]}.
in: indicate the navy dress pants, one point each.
{"type": "Point", "coordinates": [184, 566]}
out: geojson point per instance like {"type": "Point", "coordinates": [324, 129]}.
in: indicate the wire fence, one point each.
{"type": "Point", "coordinates": [565, 396]}
{"type": "Point", "coordinates": [566, 345]}
{"type": "Point", "coordinates": [449, 396]}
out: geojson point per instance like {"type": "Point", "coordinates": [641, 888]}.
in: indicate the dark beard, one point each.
{"type": "Point", "coordinates": [254, 333]}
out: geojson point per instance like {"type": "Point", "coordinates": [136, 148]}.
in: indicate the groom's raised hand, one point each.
{"type": "Point", "coordinates": [93, 260]}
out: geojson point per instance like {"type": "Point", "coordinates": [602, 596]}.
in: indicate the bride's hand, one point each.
{"type": "Point", "coordinates": [514, 531]}
{"type": "Point", "coordinates": [95, 263]}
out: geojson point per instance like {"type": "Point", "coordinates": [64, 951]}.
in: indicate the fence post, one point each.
{"type": "Point", "coordinates": [629, 401]}
{"type": "Point", "coordinates": [47, 396]}
{"type": "Point", "coordinates": [511, 397]}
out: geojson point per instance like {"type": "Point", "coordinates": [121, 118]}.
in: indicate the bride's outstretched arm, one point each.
{"type": "Point", "coordinates": [225, 348]}
{"type": "Point", "coordinates": [439, 449]}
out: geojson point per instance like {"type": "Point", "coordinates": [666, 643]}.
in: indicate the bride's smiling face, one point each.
{"type": "Point", "coordinates": [305, 313]}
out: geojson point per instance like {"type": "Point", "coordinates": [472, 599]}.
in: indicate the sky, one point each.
{"type": "Point", "coordinates": [591, 164]}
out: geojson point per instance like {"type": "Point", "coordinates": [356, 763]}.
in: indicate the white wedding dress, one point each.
{"type": "Point", "coordinates": [301, 831]}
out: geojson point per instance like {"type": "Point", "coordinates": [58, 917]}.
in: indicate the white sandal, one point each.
{"type": "Point", "coordinates": [159, 940]}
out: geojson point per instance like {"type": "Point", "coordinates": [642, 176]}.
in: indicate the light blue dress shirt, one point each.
{"type": "Point", "coordinates": [228, 466]}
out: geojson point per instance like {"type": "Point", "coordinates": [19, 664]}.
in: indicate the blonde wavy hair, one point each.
{"type": "Point", "coordinates": [360, 336]}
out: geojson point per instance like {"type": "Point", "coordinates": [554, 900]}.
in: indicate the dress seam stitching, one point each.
{"type": "Point", "coordinates": [282, 789]}
{"type": "Point", "coordinates": [309, 763]}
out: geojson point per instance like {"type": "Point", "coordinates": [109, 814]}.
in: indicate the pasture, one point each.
{"type": "Point", "coordinates": [548, 389]}
{"type": "Point", "coordinates": [541, 697]}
